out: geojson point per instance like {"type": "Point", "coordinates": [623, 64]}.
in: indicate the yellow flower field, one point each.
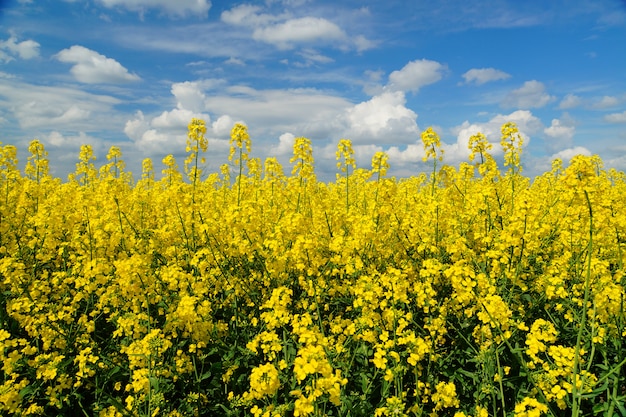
{"type": "Point", "coordinates": [469, 291]}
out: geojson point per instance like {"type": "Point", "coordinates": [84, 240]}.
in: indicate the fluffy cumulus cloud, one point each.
{"type": "Point", "coordinates": [90, 67]}
{"type": "Point", "coordinates": [526, 122]}
{"type": "Point", "coordinates": [284, 146]}
{"type": "Point", "coordinates": [383, 118]}
{"type": "Point", "coordinates": [11, 48]}
{"type": "Point", "coordinates": [561, 131]}
{"type": "Point", "coordinates": [248, 15]}
{"type": "Point", "coordinates": [165, 133]}
{"type": "Point", "coordinates": [566, 155]}
{"type": "Point", "coordinates": [286, 32]}
{"type": "Point", "coordinates": [277, 115]}
{"type": "Point", "coordinates": [415, 75]}
{"type": "Point", "coordinates": [480, 76]}
{"type": "Point", "coordinates": [570, 101]}
{"type": "Point", "coordinates": [59, 140]}
{"type": "Point", "coordinates": [307, 112]}
{"type": "Point", "coordinates": [299, 30]}
{"type": "Point", "coordinates": [530, 95]}
{"type": "Point", "coordinates": [189, 94]}
{"type": "Point", "coordinates": [616, 117]}
{"type": "Point", "coordinates": [177, 7]}
{"type": "Point", "coordinates": [406, 161]}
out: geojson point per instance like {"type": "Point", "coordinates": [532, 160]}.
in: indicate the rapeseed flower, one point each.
{"type": "Point", "coordinates": [264, 381]}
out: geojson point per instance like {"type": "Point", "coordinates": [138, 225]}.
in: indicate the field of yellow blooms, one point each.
{"type": "Point", "coordinates": [467, 291]}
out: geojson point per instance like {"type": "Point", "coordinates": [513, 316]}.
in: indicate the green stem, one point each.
{"type": "Point", "coordinates": [576, 396]}
{"type": "Point", "coordinates": [239, 177]}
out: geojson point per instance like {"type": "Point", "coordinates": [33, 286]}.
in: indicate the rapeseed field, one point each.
{"type": "Point", "coordinates": [261, 291]}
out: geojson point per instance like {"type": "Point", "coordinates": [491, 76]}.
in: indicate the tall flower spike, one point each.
{"type": "Point", "coordinates": [303, 157]}
{"type": "Point", "coordinates": [37, 164]}
{"type": "Point", "coordinates": [432, 145]}
{"type": "Point", "coordinates": [345, 155]}
{"type": "Point", "coordinates": [196, 143]}
{"type": "Point", "coordinates": [512, 142]}
{"type": "Point", "coordinates": [239, 139]}
{"type": "Point", "coordinates": [147, 170]}
{"type": "Point", "coordinates": [170, 173]}
{"type": "Point", "coordinates": [478, 145]}
{"type": "Point", "coordinates": [116, 165]}
{"type": "Point", "coordinates": [380, 163]}
{"type": "Point", "coordinates": [85, 168]}
{"type": "Point", "coordinates": [8, 162]}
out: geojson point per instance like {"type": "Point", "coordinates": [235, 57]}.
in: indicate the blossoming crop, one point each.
{"type": "Point", "coordinates": [465, 291]}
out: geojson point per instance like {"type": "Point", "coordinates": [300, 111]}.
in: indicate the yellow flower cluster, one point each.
{"type": "Point", "coordinates": [464, 291]}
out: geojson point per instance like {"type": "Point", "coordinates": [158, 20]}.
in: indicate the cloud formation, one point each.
{"type": "Point", "coordinates": [530, 95]}
{"type": "Point", "coordinates": [301, 30]}
{"type": "Point", "coordinates": [52, 107]}
{"type": "Point", "coordinates": [570, 101]}
{"type": "Point", "coordinates": [415, 75]}
{"type": "Point", "coordinates": [177, 7]}
{"type": "Point", "coordinates": [285, 31]}
{"type": "Point", "coordinates": [163, 134]}
{"type": "Point", "coordinates": [616, 117]}
{"type": "Point", "coordinates": [91, 67]}
{"type": "Point", "coordinates": [481, 76]}
{"type": "Point", "coordinates": [527, 123]}
{"type": "Point", "coordinates": [606, 102]}
{"type": "Point", "coordinates": [383, 118]}
{"type": "Point", "coordinates": [560, 133]}
{"type": "Point", "coordinates": [11, 48]}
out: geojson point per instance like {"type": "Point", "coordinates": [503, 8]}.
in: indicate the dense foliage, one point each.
{"type": "Point", "coordinates": [468, 291]}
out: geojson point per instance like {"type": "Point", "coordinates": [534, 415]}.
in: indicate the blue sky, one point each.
{"type": "Point", "coordinates": [132, 73]}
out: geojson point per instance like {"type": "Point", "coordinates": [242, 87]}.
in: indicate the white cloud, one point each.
{"type": "Point", "coordinates": [531, 95]}
{"type": "Point", "coordinates": [363, 44]}
{"type": "Point", "coordinates": [566, 155]}
{"type": "Point", "coordinates": [58, 107]}
{"type": "Point", "coordinates": [286, 32]}
{"type": "Point", "coordinates": [415, 75]}
{"type": "Point", "coordinates": [616, 117]}
{"type": "Point", "coordinates": [92, 68]}
{"type": "Point", "coordinates": [383, 118]}
{"type": "Point", "coordinates": [398, 158]}
{"type": "Point", "coordinates": [177, 119]}
{"type": "Point", "coordinates": [235, 61]}
{"type": "Point", "coordinates": [570, 101]}
{"type": "Point", "coordinates": [606, 102]}
{"type": "Point", "coordinates": [59, 140]}
{"type": "Point", "coordinates": [274, 113]}
{"type": "Point", "coordinates": [135, 128]}
{"type": "Point", "coordinates": [480, 76]}
{"type": "Point", "coordinates": [222, 126]}
{"type": "Point", "coordinates": [311, 57]}
{"type": "Point", "coordinates": [189, 94]}
{"type": "Point", "coordinates": [285, 145]}
{"type": "Point", "coordinates": [165, 133]}
{"type": "Point", "coordinates": [299, 30]}
{"type": "Point", "coordinates": [27, 49]}
{"type": "Point", "coordinates": [248, 15]}
{"type": "Point", "coordinates": [177, 8]}
{"type": "Point", "coordinates": [306, 111]}
{"type": "Point", "coordinates": [560, 133]}
{"type": "Point", "coordinates": [152, 141]}
{"type": "Point", "coordinates": [526, 122]}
